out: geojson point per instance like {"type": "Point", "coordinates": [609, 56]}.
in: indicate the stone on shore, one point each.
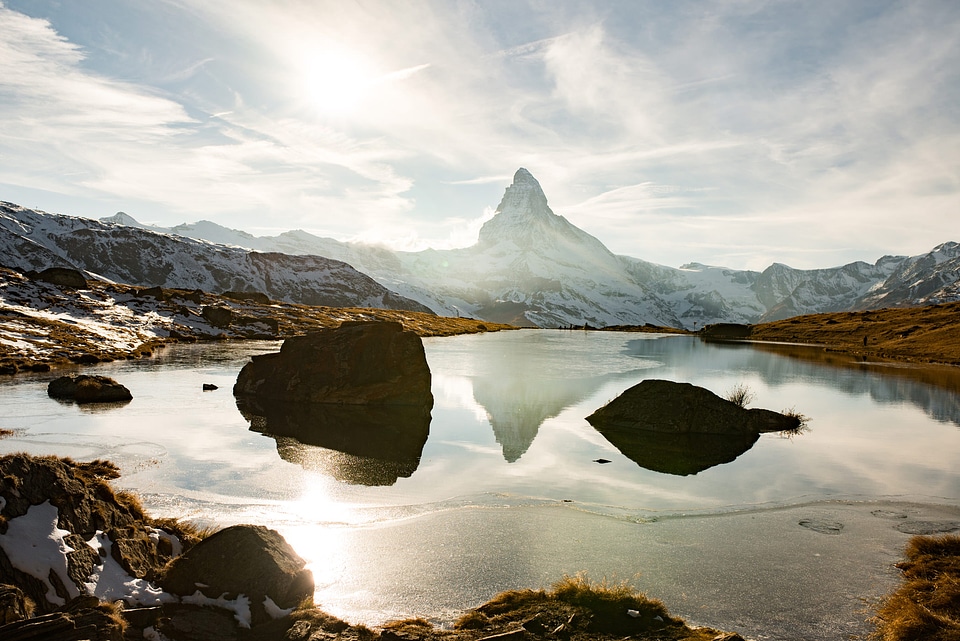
{"type": "Point", "coordinates": [97, 528]}
{"type": "Point", "coordinates": [248, 560]}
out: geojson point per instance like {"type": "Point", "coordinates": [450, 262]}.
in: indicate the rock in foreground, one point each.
{"type": "Point", "coordinates": [357, 363]}
{"type": "Point", "coordinates": [680, 408]}
{"type": "Point", "coordinates": [88, 537]}
{"type": "Point", "coordinates": [70, 547]}
{"type": "Point", "coordinates": [88, 389]}
{"type": "Point", "coordinates": [248, 560]}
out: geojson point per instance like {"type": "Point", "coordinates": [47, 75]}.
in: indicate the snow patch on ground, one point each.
{"type": "Point", "coordinates": [35, 545]}
{"type": "Point", "coordinates": [110, 582]}
{"type": "Point", "coordinates": [239, 606]}
{"type": "Point", "coordinates": [274, 610]}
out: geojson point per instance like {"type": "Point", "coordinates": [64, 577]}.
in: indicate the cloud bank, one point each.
{"type": "Point", "coordinates": [729, 133]}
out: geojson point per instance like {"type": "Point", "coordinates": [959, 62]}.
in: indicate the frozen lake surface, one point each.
{"type": "Point", "coordinates": [505, 492]}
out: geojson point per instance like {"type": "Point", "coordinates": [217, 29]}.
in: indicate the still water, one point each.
{"type": "Point", "coordinates": [507, 435]}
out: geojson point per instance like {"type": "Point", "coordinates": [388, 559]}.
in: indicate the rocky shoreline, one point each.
{"type": "Point", "coordinates": [47, 325]}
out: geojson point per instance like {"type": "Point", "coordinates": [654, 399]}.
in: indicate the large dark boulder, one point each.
{"type": "Point", "coordinates": [357, 363]}
{"type": "Point", "coordinates": [679, 408]}
{"type": "Point", "coordinates": [88, 389]}
{"type": "Point", "coordinates": [243, 559]}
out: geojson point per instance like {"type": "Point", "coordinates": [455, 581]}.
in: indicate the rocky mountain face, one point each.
{"type": "Point", "coordinates": [533, 267]}
{"type": "Point", "coordinates": [119, 252]}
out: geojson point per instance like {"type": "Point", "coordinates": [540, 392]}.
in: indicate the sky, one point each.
{"type": "Point", "coordinates": [734, 133]}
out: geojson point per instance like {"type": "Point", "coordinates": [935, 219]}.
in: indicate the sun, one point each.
{"type": "Point", "coordinates": [336, 81]}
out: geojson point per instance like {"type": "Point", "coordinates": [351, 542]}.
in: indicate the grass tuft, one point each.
{"type": "Point", "coordinates": [740, 395]}
{"type": "Point", "coordinates": [472, 620]}
{"type": "Point", "coordinates": [927, 604]}
{"type": "Point", "coordinates": [802, 426]}
{"type": "Point", "coordinates": [189, 533]}
{"type": "Point", "coordinates": [607, 598]}
{"type": "Point", "coordinates": [100, 468]}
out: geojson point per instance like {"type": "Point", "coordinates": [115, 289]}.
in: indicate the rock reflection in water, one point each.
{"type": "Point", "coordinates": [679, 454]}
{"type": "Point", "coordinates": [362, 445]}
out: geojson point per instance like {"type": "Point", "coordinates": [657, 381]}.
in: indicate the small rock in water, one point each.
{"type": "Point", "coordinates": [209, 387]}
{"type": "Point", "coordinates": [88, 389]}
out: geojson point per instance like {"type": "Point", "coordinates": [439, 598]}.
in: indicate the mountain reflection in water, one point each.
{"type": "Point", "coordinates": [525, 378]}
{"type": "Point", "coordinates": [517, 403]}
{"type": "Point", "coordinates": [363, 445]}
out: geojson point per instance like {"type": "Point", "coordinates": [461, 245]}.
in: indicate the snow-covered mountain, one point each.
{"type": "Point", "coordinates": [120, 252]}
{"type": "Point", "coordinates": [533, 267]}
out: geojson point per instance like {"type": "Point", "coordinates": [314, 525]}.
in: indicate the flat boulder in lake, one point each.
{"type": "Point", "coordinates": [357, 363]}
{"type": "Point", "coordinates": [88, 389]}
{"type": "Point", "coordinates": [680, 408]}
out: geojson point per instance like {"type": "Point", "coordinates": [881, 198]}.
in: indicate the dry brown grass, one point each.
{"type": "Point", "coordinates": [927, 605]}
{"type": "Point", "coordinates": [189, 533]}
{"type": "Point", "coordinates": [924, 334]}
{"type": "Point", "coordinates": [577, 608]}
{"type": "Point", "coordinates": [740, 395]}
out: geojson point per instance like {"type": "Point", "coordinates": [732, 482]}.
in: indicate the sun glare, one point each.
{"type": "Point", "coordinates": [336, 81]}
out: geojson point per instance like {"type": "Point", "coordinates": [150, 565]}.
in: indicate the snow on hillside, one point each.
{"type": "Point", "coordinates": [32, 240]}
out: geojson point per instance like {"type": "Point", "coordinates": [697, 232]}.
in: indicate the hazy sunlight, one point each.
{"type": "Point", "coordinates": [336, 81]}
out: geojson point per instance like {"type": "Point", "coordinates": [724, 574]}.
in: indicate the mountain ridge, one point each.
{"type": "Point", "coordinates": [533, 267]}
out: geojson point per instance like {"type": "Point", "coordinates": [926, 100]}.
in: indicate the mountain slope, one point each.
{"type": "Point", "coordinates": [33, 240]}
{"type": "Point", "coordinates": [931, 278]}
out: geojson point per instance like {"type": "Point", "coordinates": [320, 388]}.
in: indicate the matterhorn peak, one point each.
{"type": "Point", "coordinates": [524, 196]}
{"type": "Point", "coordinates": [522, 213]}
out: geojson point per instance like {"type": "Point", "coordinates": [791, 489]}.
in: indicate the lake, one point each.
{"type": "Point", "coordinates": [506, 492]}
